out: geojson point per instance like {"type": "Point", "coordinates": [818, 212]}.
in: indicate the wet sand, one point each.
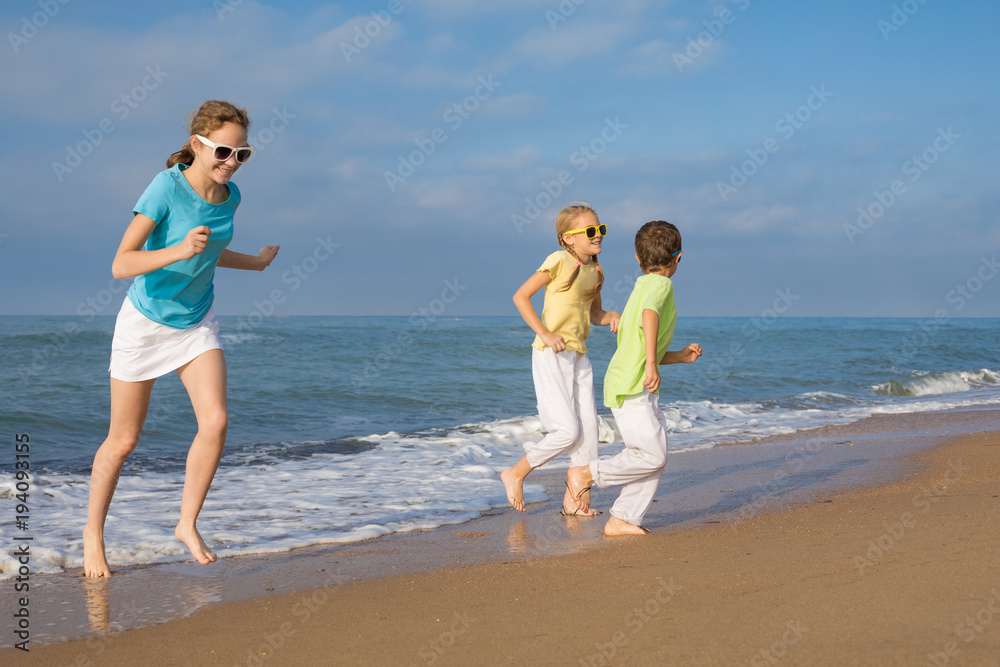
{"type": "Point", "coordinates": [781, 550]}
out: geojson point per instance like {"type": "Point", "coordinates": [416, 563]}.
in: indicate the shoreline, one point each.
{"type": "Point", "coordinates": [703, 488]}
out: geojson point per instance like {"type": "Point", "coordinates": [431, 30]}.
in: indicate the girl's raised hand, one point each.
{"type": "Point", "coordinates": [195, 241]}
{"type": "Point", "coordinates": [615, 319]}
{"type": "Point", "coordinates": [555, 341]}
{"type": "Point", "coordinates": [267, 255]}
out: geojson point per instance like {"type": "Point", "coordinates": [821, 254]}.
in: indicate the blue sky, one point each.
{"type": "Point", "coordinates": [410, 150]}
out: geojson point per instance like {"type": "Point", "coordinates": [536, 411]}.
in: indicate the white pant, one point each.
{"type": "Point", "coordinates": [564, 387]}
{"type": "Point", "coordinates": [640, 465]}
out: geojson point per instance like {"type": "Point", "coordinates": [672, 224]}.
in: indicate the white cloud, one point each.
{"type": "Point", "coordinates": [453, 8]}
{"type": "Point", "coordinates": [518, 105]}
{"type": "Point", "coordinates": [571, 42]}
{"type": "Point", "coordinates": [518, 158]}
{"type": "Point", "coordinates": [759, 218]}
{"type": "Point", "coordinates": [377, 130]}
{"type": "Point", "coordinates": [79, 71]}
{"type": "Point", "coordinates": [441, 42]}
{"type": "Point", "coordinates": [653, 57]}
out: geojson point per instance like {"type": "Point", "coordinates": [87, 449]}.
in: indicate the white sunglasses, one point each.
{"type": "Point", "coordinates": [223, 152]}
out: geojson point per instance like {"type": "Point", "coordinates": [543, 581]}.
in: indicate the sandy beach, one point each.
{"type": "Point", "coordinates": [896, 566]}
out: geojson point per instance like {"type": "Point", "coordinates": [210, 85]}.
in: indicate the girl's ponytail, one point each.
{"type": "Point", "coordinates": [184, 156]}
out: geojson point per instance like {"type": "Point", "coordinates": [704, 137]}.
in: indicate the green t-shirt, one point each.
{"type": "Point", "coordinates": [627, 369]}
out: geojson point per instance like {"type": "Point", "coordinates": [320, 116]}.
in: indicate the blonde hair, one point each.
{"type": "Point", "coordinates": [565, 221]}
{"type": "Point", "coordinates": [210, 116]}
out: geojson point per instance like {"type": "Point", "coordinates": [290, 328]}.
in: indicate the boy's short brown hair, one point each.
{"type": "Point", "coordinates": [655, 244]}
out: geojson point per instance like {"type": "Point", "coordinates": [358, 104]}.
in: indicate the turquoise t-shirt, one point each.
{"type": "Point", "coordinates": [627, 369]}
{"type": "Point", "coordinates": [181, 294]}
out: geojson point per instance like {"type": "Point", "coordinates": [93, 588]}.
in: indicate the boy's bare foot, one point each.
{"type": "Point", "coordinates": [578, 483]}
{"type": "Point", "coordinates": [192, 540]}
{"type": "Point", "coordinates": [515, 488]}
{"type": "Point", "coordinates": [616, 526]}
{"type": "Point", "coordinates": [95, 564]}
{"type": "Point", "coordinates": [569, 507]}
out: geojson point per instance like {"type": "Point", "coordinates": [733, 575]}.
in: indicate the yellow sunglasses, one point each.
{"type": "Point", "coordinates": [591, 231]}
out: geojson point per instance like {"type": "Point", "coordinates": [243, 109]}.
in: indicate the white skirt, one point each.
{"type": "Point", "coordinates": [143, 349]}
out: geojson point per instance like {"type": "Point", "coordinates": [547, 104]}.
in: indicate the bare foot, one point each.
{"type": "Point", "coordinates": [569, 507]}
{"type": "Point", "coordinates": [578, 483]}
{"type": "Point", "coordinates": [515, 488]}
{"type": "Point", "coordinates": [192, 540]}
{"type": "Point", "coordinates": [95, 564]}
{"type": "Point", "coordinates": [616, 526]}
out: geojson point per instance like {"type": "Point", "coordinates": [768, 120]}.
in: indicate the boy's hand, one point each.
{"type": "Point", "coordinates": [555, 341]}
{"type": "Point", "coordinates": [690, 353]}
{"type": "Point", "coordinates": [652, 380]}
{"type": "Point", "coordinates": [614, 318]}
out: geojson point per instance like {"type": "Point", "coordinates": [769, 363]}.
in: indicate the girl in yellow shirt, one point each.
{"type": "Point", "coordinates": [563, 376]}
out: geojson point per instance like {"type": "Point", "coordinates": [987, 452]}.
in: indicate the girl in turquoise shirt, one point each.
{"type": "Point", "coordinates": [177, 237]}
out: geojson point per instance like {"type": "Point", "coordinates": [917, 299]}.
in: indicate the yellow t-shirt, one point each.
{"type": "Point", "coordinates": [567, 313]}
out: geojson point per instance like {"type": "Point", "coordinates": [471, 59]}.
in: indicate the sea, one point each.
{"type": "Point", "coordinates": [349, 428]}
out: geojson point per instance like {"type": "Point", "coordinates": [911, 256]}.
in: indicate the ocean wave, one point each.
{"type": "Point", "coordinates": [240, 337]}
{"type": "Point", "coordinates": [929, 383]}
{"type": "Point", "coordinates": [277, 497]}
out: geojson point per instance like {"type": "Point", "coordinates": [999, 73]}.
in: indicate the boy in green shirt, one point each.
{"type": "Point", "coordinates": [632, 382]}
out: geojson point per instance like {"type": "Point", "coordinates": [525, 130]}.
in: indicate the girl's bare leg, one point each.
{"type": "Point", "coordinates": [129, 405]}
{"type": "Point", "coordinates": [205, 381]}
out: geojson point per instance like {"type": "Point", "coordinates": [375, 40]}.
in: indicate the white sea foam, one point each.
{"type": "Point", "coordinates": [404, 482]}
{"type": "Point", "coordinates": [927, 384]}
{"type": "Point", "coordinates": [237, 338]}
